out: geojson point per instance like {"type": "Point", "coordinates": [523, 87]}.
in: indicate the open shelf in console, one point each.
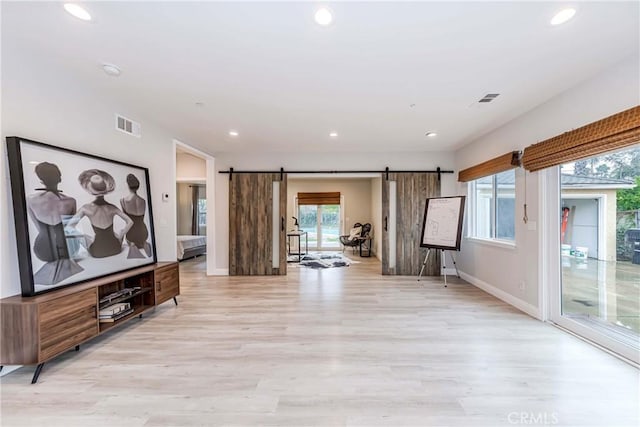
{"type": "Point", "coordinates": [128, 298]}
{"type": "Point", "coordinates": [105, 326]}
{"type": "Point", "coordinates": [121, 297]}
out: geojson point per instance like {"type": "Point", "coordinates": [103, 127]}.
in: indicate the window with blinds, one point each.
{"type": "Point", "coordinates": [490, 167]}
{"type": "Point", "coordinates": [618, 131]}
{"type": "Point", "coordinates": [325, 198]}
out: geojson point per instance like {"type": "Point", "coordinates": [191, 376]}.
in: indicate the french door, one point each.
{"type": "Point", "coordinates": [322, 224]}
{"type": "Point", "coordinates": [593, 276]}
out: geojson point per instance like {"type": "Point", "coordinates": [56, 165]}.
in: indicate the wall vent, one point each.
{"type": "Point", "coordinates": [489, 97]}
{"type": "Point", "coordinates": [128, 126]}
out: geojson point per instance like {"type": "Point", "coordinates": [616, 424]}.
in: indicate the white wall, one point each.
{"type": "Point", "coordinates": [314, 161]}
{"type": "Point", "coordinates": [190, 168]}
{"type": "Point", "coordinates": [583, 229]}
{"type": "Point", "coordinates": [42, 103]}
{"type": "Point", "coordinates": [504, 269]}
{"type": "Point", "coordinates": [606, 219]}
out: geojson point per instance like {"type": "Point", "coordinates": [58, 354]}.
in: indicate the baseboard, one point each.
{"type": "Point", "coordinates": [220, 272]}
{"type": "Point", "coordinates": [523, 306]}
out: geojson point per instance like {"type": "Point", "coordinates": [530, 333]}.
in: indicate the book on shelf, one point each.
{"type": "Point", "coordinates": [121, 293]}
{"type": "Point", "coordinates": [114, 309]}
{"type": "Point", "coordinates": [116, 316]}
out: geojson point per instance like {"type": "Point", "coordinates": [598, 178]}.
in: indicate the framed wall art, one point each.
{"type": "Point", "coordinates": [77, 216]}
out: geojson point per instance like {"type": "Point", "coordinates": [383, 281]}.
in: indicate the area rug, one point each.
{"type": "Point", "coordinates": [321, 260]}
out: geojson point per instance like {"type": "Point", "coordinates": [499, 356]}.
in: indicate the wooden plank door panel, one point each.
{"type": "Point", "coordinates": [412, 190]}
{"type": "Point", "coordinates": [251, 225]}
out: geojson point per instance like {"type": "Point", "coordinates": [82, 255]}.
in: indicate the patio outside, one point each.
{"type": "Point", "coordinates": [601, 242]}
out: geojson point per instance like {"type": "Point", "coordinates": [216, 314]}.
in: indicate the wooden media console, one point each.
{"type": "Point", "coordinates": [36, 329]}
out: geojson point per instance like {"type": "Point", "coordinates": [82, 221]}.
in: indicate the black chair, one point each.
{"type": "Point", "coordinates": [358, 240]}
{"type": "Point", "coordinates": [348, 240]}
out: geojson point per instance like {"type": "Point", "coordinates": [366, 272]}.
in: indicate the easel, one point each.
{"type": "Point", "coordinates": [444, 264]}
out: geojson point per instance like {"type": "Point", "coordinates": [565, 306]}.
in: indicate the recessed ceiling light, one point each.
{"type": "Point", "coordinates": [431, 134]}
{"type": "Point", "coordinates": [77, 11]}
{"type": "Point", "coordinates": [233, 133]}
{"type": "Point", "coordinates": [333, 134]}
{"type": "Point", "coordinates": [563, 16]}
{"type": "Point", "coordinates": [111, 70]}
{"type": "Point", "coordinates": [323, 16]}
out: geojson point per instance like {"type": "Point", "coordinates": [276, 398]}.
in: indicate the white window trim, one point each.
{"type": "Point", "coordinates": [471, 225]}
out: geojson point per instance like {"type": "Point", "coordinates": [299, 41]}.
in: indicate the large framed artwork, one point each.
{"type": "Point", "coordinates": [77, 216]}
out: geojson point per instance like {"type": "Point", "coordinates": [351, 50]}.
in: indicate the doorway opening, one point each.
{"type": "Point", "coordinates": [327, 207]}
{"type": "Point", "coordinates": [194, 206]}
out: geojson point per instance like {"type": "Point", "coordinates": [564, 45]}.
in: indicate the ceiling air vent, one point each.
{"type": "Point", "coordinates": [489, 97]}
{"type": "Point", "coordinates": [128, 126]}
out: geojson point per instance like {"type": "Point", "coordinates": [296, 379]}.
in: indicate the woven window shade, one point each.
{"type": "Point", "coordinates": [332, 198]}
{"type": "Point", "coordinates": [490, 167]}
{"type": "Point", "coordinates": [612, 133]}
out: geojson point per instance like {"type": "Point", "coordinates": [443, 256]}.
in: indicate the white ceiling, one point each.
{"type": "Point", "coordinates": [283, 82]}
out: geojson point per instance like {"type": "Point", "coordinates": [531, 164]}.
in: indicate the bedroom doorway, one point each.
{"type": "Point", "coordinates": [194, 208]}
{"type": "Point", "coordinates": [191, 215]}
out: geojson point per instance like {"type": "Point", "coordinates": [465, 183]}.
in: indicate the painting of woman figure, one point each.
{"type": "Point", "coordinates": [102, 223]}
{"type": "Point", "coordinates": [47, 208]}
{"type": "Point", "coordinates": [135, 207]}
{"type": "Point", "coordinates": [101, 214]}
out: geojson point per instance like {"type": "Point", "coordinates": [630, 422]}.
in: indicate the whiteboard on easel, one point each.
{"type": "Point", "coordinates": [442, 226]}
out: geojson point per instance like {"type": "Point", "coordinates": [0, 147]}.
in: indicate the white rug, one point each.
{"type": "Point", "coordinates": [321, 260]}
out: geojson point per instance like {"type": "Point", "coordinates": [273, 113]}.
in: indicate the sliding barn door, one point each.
{"type": "Point", "coordinates": [257, 209]}
{"type": "Point", "coordinates": [404, 197]}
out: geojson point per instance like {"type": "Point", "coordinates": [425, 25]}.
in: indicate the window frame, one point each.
{"type": "Point", "coordinates": [472, 224]}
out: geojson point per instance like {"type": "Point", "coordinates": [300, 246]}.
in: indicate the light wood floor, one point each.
{"type": "Point", "coordinates": [342, 346]}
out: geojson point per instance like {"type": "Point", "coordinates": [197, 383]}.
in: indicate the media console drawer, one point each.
{"type": "Point", "coordinates": [66, 322]}
{"type": "Point", "coordinates": [65, 307]}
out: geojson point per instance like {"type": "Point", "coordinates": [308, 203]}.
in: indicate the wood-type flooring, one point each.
{"type": "Point", "coordinates": [333, 347]}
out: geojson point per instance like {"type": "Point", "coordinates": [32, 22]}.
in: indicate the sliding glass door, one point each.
{"type": "Point", "coordinates": [598, 249]}
{"type": "Point", "coordinates": [322, 223]}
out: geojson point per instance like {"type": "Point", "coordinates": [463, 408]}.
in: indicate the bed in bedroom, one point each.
{"type": "Point", "coordinates": [191, 246]}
